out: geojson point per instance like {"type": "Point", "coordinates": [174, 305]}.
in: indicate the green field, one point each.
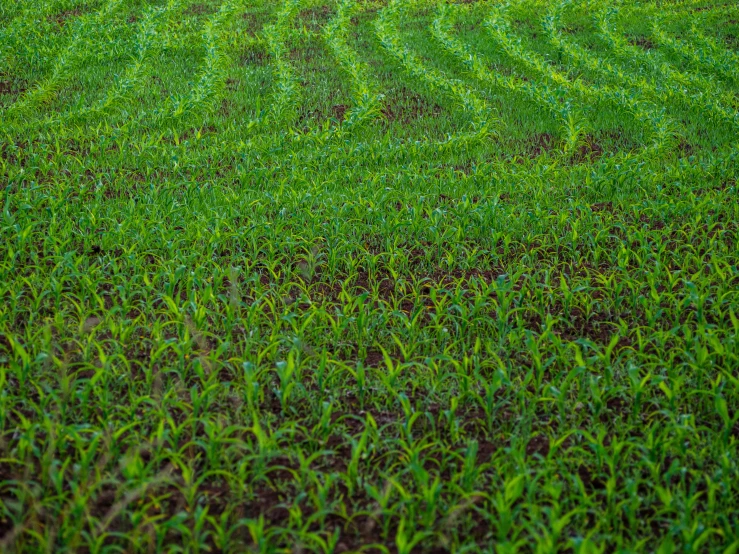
{"type": "Point", "coordinates": [354, 275]}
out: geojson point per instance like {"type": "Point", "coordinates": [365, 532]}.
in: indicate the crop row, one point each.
{"type": "Point", "coordinates": [588, 80]}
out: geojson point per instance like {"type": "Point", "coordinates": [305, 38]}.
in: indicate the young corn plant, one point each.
{"type": "Point", "coordinates": [471, 103]}
{"type": "Point", "coordinates": [695, 89]}
{"type": "Point", "coordinates": [287, 95]}
{"type": "Point", "coordinates": [573, 122]}
{"type": "Point", "coordinates": [211, 79]}
{"type": "Point", "coordinates": [67, 62]}
{"type": "Point", "coordinates": [367, 102]}
{"type": "Point", "coordinates": [663, 129]}
{"type": "Point", "coordinates": [226, 332]}
{"type": "Point", "coordinates": [701, 51]}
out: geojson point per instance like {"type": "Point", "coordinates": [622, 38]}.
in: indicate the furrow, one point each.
{"type": "Point", "coordinates": [663, 129]}
{"type": "Point", "coordinates": [210, 81]}
{"type": "Point", "coordinates": [287, 96]}
{"type": "Point", "coordinates": [480, 112]}
{"type": "Point", "coordinates": [574, 123]}
{"type": "Point", "coordinates": [367, 101]}
{"type": "Point", "coordinates": [705, 95]}
{"type": "Point", "coordinates": [66, 63]}
{"type": "Point", "coordinates": [701, 51]}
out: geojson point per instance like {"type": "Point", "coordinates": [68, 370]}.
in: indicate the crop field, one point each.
{"type": "Point", "coordinates": [395, 276]}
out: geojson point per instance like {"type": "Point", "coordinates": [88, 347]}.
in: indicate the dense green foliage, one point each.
{"type": "Point", "coordinates": [309, 276]}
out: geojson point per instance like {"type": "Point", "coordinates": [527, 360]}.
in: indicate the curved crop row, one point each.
{"type": "Point", "coordinates": [211, 77]}
{"type": "Point", "coordinates": [67, 62]}
{"type": "Point", "coordinates": [573, 121]}
{"type": "Point", "coordinates": [367, 101]}
{"type": "Point", "coordinates": [440, 30]}
{"type": "Point", "coordinates": [283, 109]}
{"type": "Point", "coordinates": [470, 102]}
{"type": "Point", "coordinates": [702, 52]}
{"type": "Point", "coordinates": [706, 95]}
{"type": "Point", "coordinates": [588, 93]}
{"type": "Point", "coordinates": [146, 42]}
{"type": "Point", "coordinates": [638, 85]}
{"type": "Point", "coordinates": [662, 127]}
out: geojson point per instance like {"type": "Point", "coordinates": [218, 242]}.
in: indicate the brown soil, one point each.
{"type": "Point", "coordinates": [200, 9]}
{"type": "Point", "coordinates": [404, 105]}
{"type": "Point", "coordinates": [589, 150]}
{"type": "Point", "coordinates": [254, 55]}
{"type": "Point", "coordinates": [641, 41]}
{"type": "Point", "coordinates": [314, 18]}
{"type": "Point", "coordinates": [338, 112]}
{"type": "Point", "coordinates": [62, 17]}
{"type": "Point", "coordinates": [539, 144]}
